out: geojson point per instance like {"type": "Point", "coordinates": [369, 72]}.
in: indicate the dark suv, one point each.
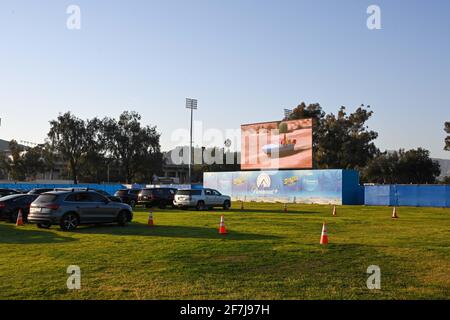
{"type": "Point", "coordinates": [160, 197]}
{"type": "Point", "coordinates": [10, 206]}
{"type": "Point", "coordinates": [128, 196]}
{"type": "Point", "coordinates": [107, 195]}
{"type": "Point", "coordinates": [72, 208]}
{"type": "Point", "coordinates": [7, 192]}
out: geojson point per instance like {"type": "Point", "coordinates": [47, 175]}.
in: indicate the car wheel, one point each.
{"type": "Point", "coordinates": [122, 218]}
{"type": "Point", "coordinates": [200, 206]}
{"type": "Point", "coordinates": [162, 205]}
{"type": "Point", "coordinates": [69, 222]}
{"type": "Point", "coordinates": [44, 225]}
{"type": "Point", "coordinates": [226, 205]}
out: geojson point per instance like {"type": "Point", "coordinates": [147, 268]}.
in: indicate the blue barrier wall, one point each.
{"type": "Point", "coordinates": [110, 188]}
{"type": "Point", "coordinates": [407, 195]}
{"type": "Point", "coordinates": [300, 186]}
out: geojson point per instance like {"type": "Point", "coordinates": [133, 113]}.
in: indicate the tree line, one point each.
{"type": "Point", "coordinates": [94, 150]}
{"type": "Point", "coordinates": [344, 141]}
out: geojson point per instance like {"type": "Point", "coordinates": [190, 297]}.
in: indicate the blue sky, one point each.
{"type": "Point", "coordinates": [244, 60]}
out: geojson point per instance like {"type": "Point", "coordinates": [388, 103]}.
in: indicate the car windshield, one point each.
{"type": "Point", "coordinates": [121, 192]}
{"type": "Point", "coordinates": [46, 198]}
{"type": "Point", "coordinates": [146, 192]}
{"type": "Point", "coordinates": [189, 192]}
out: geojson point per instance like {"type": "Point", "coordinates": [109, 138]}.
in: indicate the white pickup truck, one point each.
{"type": "Point", "coordinates": [201, 199]}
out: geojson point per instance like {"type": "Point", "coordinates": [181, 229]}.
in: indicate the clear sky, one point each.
{"type": "Point", "coordinates": [243, 60]}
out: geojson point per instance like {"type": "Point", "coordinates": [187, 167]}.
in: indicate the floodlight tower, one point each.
{"type": "Point", "coordinates": [191, 104]}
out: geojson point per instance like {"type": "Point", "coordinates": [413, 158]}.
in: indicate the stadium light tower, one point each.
{"type": "Point", "coordinates": [191, 104]}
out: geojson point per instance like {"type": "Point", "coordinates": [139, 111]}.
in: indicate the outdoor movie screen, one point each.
{"type": "Point", "coordinates": [277, 145]}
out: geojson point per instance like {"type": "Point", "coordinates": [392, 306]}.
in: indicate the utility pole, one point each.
{"type": "Point", "coordinates": [191, 104]}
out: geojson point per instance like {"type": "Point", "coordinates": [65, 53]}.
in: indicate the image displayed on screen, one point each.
{"type": "Point", "coordinates": [277, 145]}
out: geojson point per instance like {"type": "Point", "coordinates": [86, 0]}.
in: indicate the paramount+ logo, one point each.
{"type": "Point", "coordinates": [263, 181]}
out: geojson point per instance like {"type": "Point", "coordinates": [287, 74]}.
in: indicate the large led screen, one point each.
{"type": "Point", "coordinates": [277, 145]}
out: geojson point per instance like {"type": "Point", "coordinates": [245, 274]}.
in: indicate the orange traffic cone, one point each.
{"type": "Point", "coordinates": [334, 211]}
{"type": "Point", "coordinates": [222, 229]}
{"type": "Point", "coordinates": [285, 207]}
{"type": "Point", "coordinates": [19, 221]}
{"type": "Point", "coordinates": [324, 236]}
{"type": "Point", "coordinates": [394, 213]}
{"type": "Point", "coordinates": [150, 218]}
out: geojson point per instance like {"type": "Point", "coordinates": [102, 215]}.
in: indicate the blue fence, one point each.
{"type": "Point", "coordinates": [408, 195]}
{"type": "Point", "coordinates": [110, 188]}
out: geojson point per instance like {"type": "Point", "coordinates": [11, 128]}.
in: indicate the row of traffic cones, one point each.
{"type": "Point", "coordinates": [223, 230]}
{"type": "Point", "coordinates": [394, 212]}
{"type": "Point", "coordinates": [324, 235]}
{"type": "Point", "coordinates": [285, 210]}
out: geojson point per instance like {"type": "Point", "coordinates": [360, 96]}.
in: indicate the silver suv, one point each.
{"type": "Point", "coordinates": [72, 208]}
{"type": "Point", "coordinates": [201, 199]}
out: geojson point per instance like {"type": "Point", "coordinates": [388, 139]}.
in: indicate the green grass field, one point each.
{"type": "Point", "coordinates": [268, 254]}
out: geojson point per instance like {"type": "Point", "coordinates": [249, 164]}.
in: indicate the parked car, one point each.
{"type": "Point", "coordinates": [40, 190]}
{"type": "Point", "coordinates": [20, 191]}
{"type": "Point", "coordinates": [201, 199]}
{"type": "Point", "coordinates": [107, 195]}
{"type": "Point", "coordinates": [160, 197]}
{"type": "Point", "coordinates": [7, 192]}
{"type": "Point", "coordinates": [128, 196]}
{"type": "Point", "coordinates": [68, 209]}
{"type": "Point", "coordinates": [10, 206]}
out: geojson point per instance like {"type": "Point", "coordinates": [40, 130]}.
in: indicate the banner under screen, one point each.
{"type": "Point", "coordinates": [277, 145]}
{"type": "Point", "coordinates": [300, 186]}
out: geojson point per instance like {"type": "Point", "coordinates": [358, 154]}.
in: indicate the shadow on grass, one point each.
{"type": "Point", "coordinates": [11, 234]}
{"type": "Point", "coordinates": [139, 229]}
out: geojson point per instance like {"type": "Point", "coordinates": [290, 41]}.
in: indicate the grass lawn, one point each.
{"type": "Point", "coordinates": [268, 254]}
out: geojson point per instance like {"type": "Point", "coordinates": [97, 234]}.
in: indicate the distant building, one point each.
{"type": "Point", "coordinates": [173, 173]}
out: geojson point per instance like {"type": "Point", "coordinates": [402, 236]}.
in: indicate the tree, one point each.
{"type": "Point", "coordinates": [315, 112]}
{"type": "Point", "coordinates": [94, 161]}
{"type": "Point", "coordinates": [136, 147]}
{"type": "Point", "coordinates": [341, 141]}
{"type": "Point", "coordinates": [49, 157]}
{"type": "Point", "coordinates": [26, 163]}
{"type": "Point", "coordinates": [447, 139]}
{"type": "Point", "coordinates": [413, 166]}
{"type": "Point", "coordinates": [33, 162]}
{"type": "Point", "coordinates": [68, 136]}
{"type": "Point", "coordinates": [13, 164]}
